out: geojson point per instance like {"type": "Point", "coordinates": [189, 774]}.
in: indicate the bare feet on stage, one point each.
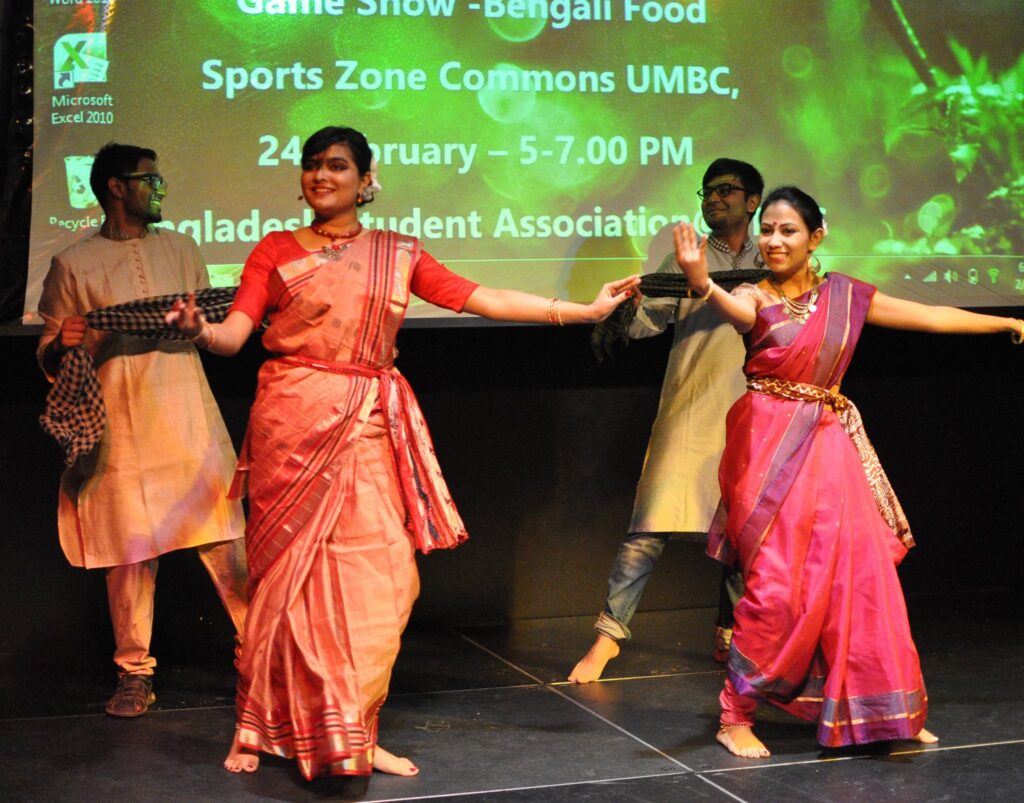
{"type": "Point", "coordinates": [592, 664]}
{"type": "Point", "coordinates": [383, 761]}
{"type": "Point", "coordinates": [241, 759]}
{"type": "Point", "coordinates": [925, 737]}
{"type": "Point", "coordinates": [741, 741]}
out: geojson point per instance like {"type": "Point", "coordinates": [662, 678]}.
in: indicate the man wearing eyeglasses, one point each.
{"type": "Point", "coordinates": [678, 490]}
{"type": "Point", "coordinates": [158, 479]}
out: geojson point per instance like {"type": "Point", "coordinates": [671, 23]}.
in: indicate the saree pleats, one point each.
{"type": "Point", "coordinates": [822, 629]}
{"type": "Point", "coordinates": [329, 618]}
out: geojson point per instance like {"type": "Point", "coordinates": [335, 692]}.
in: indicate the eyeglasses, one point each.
{"type": "Point", "coordinates": [154, 180]}
{"type": "Point", "coordinates": [721, 190]}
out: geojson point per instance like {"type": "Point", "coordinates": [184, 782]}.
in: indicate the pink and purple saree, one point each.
{"type": "Point", "coordinates": [806, 513]}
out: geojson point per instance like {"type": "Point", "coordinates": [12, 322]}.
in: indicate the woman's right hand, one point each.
{"type": "Point", "coordinates": [691, 256]}
{"type": "Point", "coordinates": [186, 317]}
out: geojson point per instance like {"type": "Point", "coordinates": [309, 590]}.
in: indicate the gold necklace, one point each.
{"type": "Point", "coordinates": [798, 311]}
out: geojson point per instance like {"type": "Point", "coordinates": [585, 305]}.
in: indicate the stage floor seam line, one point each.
{"type": "Point", "coordinates": [556, 691]}
{"type": "Point", "coordinates": [695, 773]}
{"type": "Point", "coordinates": [565, 784]}
{"type": "Point", "coordinates": [836, 759]}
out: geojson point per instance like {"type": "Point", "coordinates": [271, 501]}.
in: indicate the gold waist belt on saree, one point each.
{"type": "Point", "coordinates": [850, 420]}
{"type": "Point", "coordinates": [797, 391]}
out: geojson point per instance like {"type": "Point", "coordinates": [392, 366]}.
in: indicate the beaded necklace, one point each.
{"type": "Point", "coordinates": [120, 236]}
{"type": "Point", "coordinates": [337, 247]}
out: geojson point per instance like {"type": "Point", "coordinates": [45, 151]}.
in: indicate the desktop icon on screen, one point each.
{"type": "Point", "coordinates": [80, 58]}
{"type": "Point", "coordinates": [77, 169]}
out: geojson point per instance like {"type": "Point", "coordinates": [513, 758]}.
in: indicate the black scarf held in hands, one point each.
{"type": "Point", "coordinates": [612, 334]}
{"type": "Point", "coordinates": [74, 414]}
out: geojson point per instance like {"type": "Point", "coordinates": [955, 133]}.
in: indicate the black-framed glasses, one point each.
{"type": "Point", "coordinates": [721, 190]}
{"type": "Point", "coordinates": [154, 180]}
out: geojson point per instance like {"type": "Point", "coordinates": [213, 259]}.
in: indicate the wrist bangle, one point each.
{"type": "Point", "coordinates": [1018, 337]}
{"type": "Point", "coordinates": [710, 290]}
{"type": "Point", "coordinates": [555, 312]}
{"type": "Point", "coordinates": [198, 339]}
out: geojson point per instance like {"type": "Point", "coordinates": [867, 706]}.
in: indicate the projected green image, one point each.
{"type": "Point", "coordinates": [543, 145]}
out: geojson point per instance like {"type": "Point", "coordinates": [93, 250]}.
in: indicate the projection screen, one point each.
{"type": "Point", "coordinates": [543, 145]}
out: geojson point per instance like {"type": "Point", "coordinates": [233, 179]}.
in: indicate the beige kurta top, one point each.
{"type": "Point", "coordinates": [678, 488]}
{"type": "Point", "coordinates": [158, 479]}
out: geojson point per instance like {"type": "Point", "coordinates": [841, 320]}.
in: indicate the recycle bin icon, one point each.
{"type": "Point", "coordinates": [77, 169]}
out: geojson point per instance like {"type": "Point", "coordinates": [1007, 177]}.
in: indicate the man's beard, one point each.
{"type": "Point", "coordinates": [154, 214]}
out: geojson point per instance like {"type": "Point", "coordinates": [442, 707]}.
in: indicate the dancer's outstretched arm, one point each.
{"type": "Point", "coordinates": [514, 305]}
{"type": "Point", "coordinates": [896, 313]}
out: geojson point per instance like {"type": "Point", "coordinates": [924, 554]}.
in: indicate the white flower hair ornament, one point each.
{"type": "Point", "coordinates": [374, 186]}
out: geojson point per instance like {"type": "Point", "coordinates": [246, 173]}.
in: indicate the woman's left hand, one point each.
{"type": "Point", "coordinates": [611, 295]}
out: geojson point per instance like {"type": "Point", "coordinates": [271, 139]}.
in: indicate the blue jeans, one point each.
{"type": "Point", "coordinates": [630, 572]}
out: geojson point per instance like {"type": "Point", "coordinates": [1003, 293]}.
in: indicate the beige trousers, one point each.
{"type": "Point", "coordinates": [131, 589]}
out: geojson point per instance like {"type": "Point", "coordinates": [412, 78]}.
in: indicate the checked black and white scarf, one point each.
{"type": "Point", "coordinates": [612, 333]}
{"type": "Point", "coordinates": [74, 413]}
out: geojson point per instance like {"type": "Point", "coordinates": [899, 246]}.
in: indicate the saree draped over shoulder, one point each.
{"type": "Point", "coordinates": [343, 486]}
{"type": "Point", "coordinates": [808, 515]}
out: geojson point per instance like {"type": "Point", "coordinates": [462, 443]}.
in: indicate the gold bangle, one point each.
{"type": "Point", "coordinates": [1018, 337]}
{"type": "Point", "coordinates": [554, 312]}
{"type": "Point", "coordinates": [197, 339]}
{"type": "Point", "coordinates": [202, 328]}
{"type": "Point", "coordinates": [710, 290]}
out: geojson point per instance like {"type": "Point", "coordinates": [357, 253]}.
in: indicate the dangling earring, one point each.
{"type": "Point", "coordinates": [815, 263]}
{"type": "Point", "coordinates": [359, 199]}
{"type": "Point", "coordinates": [759, 261]}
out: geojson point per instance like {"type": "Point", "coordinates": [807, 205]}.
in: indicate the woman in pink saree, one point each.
{"type": "Point", "coordinates": [807, 512]}
{"type": "Point", "coordinates": [338, 464]}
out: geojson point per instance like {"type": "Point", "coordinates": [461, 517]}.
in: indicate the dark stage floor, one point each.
{"type": "Point", "coordinates": [486, 715]}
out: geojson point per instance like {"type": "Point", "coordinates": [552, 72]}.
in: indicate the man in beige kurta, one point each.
{"type": "Point", "coordinates": [678, 490]}
{"type": "Point", "coordinates": [158, 479]}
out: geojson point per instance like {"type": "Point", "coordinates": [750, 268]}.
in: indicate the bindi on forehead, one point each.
{"type": "Point", "coordinates": [781, 211]}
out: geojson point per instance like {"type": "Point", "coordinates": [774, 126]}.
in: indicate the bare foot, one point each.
{"type": "Point", "coordinates": [925, 737]}
{"type": "Point", "coordinates": [241, 759]}
{"type": "Point", "coordinates": [741, 741]}
{"type": "Point", "coordinates": [383, 761]}
{"type": "Point", "coordinates": [592, 664]}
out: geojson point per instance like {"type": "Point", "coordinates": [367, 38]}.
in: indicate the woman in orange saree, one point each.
{"type": "Point", "coordinates": [338, 464]}
{"type": "Point", "coordinates": [807, 512]}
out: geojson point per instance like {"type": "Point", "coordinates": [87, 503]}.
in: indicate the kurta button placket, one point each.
{"type": "Point", "coordinates": [139, 268]}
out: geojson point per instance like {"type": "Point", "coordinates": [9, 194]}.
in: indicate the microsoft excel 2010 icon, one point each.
{"type": "Point", "coordinates": [79, 58]}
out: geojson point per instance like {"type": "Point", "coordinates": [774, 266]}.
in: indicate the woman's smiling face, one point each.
{"type": "Point", "coordinates": [331, 182]}
{"type": "Point", "coordinates": [785, 242]}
